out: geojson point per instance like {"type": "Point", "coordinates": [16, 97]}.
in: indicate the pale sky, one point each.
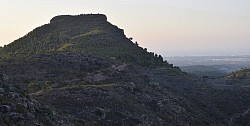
{"type": "Point", "coordinates": [167, 27]}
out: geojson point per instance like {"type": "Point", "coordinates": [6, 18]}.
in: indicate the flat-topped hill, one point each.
{"type": "Point", "coordinates": [90, 34]}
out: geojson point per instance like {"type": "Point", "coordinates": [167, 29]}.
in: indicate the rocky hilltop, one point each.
{"type": "Point", "coordinates": [65, 32]}
{"type": "Point", "coordinates": [97, 18]}
{"type": "Point", "coordinates": [90, 34]}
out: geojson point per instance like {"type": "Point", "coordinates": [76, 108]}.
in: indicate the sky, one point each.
{"type": "Point", "coordinates": [167, 27]}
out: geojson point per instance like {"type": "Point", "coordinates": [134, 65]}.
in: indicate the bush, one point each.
{"type": "Point", "coordinates": [33, 87]}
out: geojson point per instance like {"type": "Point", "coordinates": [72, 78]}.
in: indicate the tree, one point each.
{"type": "Point", "coordinates": [160, 58]}
{"type": "Point", "coordinates": [136, 43]}
{"type": "Point", "coordinates": [171, 65]}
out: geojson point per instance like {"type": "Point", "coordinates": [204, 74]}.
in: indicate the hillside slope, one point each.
{"type": "Point", "coordinates": [239, 78]}
{"type": "Point", "coordinates": [18, 108]}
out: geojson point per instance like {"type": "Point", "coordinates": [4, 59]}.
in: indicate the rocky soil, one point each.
{"type": "Point", "coordinates": [18, 108]}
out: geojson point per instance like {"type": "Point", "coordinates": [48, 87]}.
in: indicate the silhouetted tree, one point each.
{"type": "Point", "coordinates": [160, 58]}
{"type": "Point", "coordinates": [136, 43]}
{"type": "Point", "coordinates": [171, 65]}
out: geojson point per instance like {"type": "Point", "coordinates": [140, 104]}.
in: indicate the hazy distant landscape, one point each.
{"type": "Point", "coordinates": [243, 61]}
{"type": "Point", "coordinates": [210, 65]}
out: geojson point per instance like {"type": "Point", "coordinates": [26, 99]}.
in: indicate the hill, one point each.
{"type": "Point", "coordinates": [87, 69]}
{"type": "Point", "coordinates": [239, 78]}
{"type": "Point", "coordinates": [241, 74]}
{"type": "Point", "coordinates": [90, 34]}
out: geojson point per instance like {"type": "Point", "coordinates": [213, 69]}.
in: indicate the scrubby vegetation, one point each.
{"type": "Point", "coordinates": [18, 108]}
{"type": "Point", "coordinates": [242, 74]}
